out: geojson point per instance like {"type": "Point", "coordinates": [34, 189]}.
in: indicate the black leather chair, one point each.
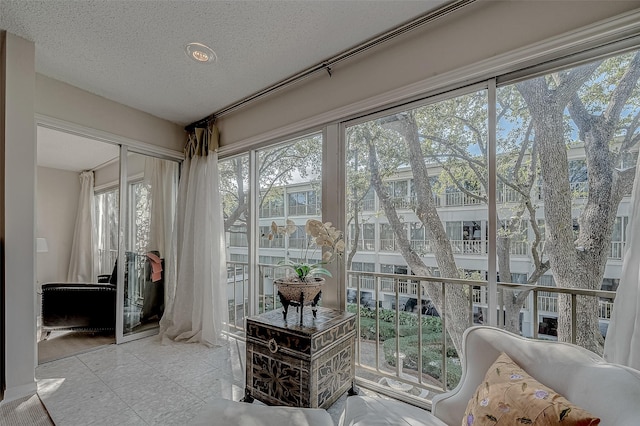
{"type": "Point", "coordinates": [78, 307]}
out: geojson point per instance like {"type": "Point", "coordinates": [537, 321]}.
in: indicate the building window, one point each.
{"type": "Point", "coordinates": [238, 235]}
{"type": "Point", "coordinates": [578, 178]}
{"type": "Point", "coordinates": [363, 266]}
{"type": "Point", "coordinates": [419, 238]}
{"type": "Point", "coordinates": [367, 238]}
{"type": "Point", "coordinates": [618, 237]}
{"type": "Point", "coordinates": [304, 203]}
{"type": "Point", "coordinates": [398, 190]}
{"type": "Point", "coordinates": [369, 201]}
{"type": "Point", "coordinates": [388, 238]}
{"type": "Point", "coordinates": [272, 207]}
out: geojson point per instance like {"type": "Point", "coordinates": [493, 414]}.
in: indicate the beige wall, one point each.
{"type": "Point", "coordinates": [475, 33]}
{"type": "Point", "coordinates": [56, 206]}
{"type": "Point", "coordinates": [65, 102]}
{"type": "Point", "coordinates": [19, 143]}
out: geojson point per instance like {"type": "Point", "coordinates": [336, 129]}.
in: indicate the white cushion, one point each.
{"type": "Point", "coordinates": [368, 411]}
{"type": "Point", "coordinates": [230, 413]}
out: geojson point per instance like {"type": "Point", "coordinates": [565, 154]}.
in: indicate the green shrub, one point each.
{"type": "Point", "coordinates": [368, 329]}
{"type": "Point", "coordinates": [405, 318]}
{"type": "Point", "coordinates": [431, 357]}
{"type": "Point", "coordinates": [408, 340]}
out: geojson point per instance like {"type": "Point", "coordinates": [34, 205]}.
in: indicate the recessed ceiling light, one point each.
{"type": "Point", "coordinates": [200, 53]}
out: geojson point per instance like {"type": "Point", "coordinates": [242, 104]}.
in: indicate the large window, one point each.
{"type": "Point", "coordinates": [234, 191]}
{"type": "Point", "coordinates": [565, 146]}
{"type": "Point", "coordinates": [290, 172]}
{"type": "Point", "coordinates": [106, 210]}
{"type": "Point", "coordinates": [561, 140]}
{"type": "Point", "coordinates": [407, 158]}
{"type": "Point", "coordinates": [419, 190]}
{"type": "Point", "coordinates": [412, 158]}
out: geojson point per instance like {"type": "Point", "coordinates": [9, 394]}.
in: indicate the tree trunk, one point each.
{"type": "Point", "coordinates": [578, 262]}
{"type": "Point", "coordinates": [242, 206]}
{"type": "Point", "coordinates": [455, 307]}
{"type": "Point", "coordinates": [510, 298]}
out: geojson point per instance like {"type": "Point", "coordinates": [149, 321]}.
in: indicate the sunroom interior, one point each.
{"type": "Point", "coordinates": [471, 173]}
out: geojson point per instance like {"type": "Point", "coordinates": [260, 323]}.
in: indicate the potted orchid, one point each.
{"type": "Point", "coordinates": [303, 287]}
{"type": "Point", "coordinates": [320, 236]}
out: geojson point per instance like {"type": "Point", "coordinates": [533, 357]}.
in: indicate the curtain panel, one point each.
{"type": "Point", "coordinates": [622, 345]}
{"type": "Point", "coordinates": [82, 264]}
{"type": "Point", "coordinates": [196, 290]}
{"type": "Point", "coordinates": [161, 175]}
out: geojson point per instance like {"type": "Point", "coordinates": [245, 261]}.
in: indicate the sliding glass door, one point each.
{"type": "Point", "coordinates": [148, 193]}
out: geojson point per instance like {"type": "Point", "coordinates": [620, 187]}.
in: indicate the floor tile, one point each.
{"type": "Point", "coordinates": [144, 382]}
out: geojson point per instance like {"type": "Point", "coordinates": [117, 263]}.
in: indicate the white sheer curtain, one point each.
{"type": "Point", "coordinates": [82, 263]}
{"type": "Point", "coordinates": [162, 176]}
{"type": "Point", "coordinates": [196, 298]}
{"type": "Point", "coordinates": [622, 345]}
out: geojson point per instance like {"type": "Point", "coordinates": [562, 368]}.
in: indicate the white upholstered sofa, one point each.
{"type": "Point", "coordinates": [608, 391]}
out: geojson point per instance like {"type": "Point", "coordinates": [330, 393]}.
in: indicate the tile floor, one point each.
{"type": "Point", "coordinates": [144, 382]}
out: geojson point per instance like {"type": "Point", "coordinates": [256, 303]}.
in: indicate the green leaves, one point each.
{"type": "Point", "coordinates": [304, 270]}
{"type": "Point", "coordinates": [320, 235]}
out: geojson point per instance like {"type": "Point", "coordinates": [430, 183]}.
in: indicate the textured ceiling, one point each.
{"type": "Point", "coordinates": [132, 51]}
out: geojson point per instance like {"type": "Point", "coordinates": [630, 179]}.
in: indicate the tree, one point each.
{"type": "Point", "coordinates": [375, 139]}
{"type": "Point", "coordinates": [359, 187]}
{"type": "Point", "coordinates": [598, 97]}
{"type": "Point", "coordinates": [536, 118]}
{"type": "Point", "coordinates": [276, 168]}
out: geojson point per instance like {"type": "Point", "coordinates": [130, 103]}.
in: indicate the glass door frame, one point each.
{"type": "Point", "coordinates": [123, 219]}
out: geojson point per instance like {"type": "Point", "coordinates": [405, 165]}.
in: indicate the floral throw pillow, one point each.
{"type": "Point", "coordinates": [508, 396]}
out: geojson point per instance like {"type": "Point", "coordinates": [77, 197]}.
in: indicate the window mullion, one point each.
{"type": "Point", "coordinates": [492, 220]}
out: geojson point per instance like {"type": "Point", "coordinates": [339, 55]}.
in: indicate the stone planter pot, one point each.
{"type": "Point", "coordinates": [299, 294]}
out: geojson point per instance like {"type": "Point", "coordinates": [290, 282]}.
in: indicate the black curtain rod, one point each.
{"type": "Point", "coordinates": [443, 10]}
{"type": "Point", "coordinates": [200, 123]}
{"type": "Point", "coordinates": [433, 15]}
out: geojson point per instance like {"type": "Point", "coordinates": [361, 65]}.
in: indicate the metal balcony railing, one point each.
{"type": "Point", "coordinates": [474, 247]}
{"type": "Point", "coordinates": [395, 320]}
{"type": "Point", "coordinates": [271, 211]}
{"type": "Point", "coordinates": [366, 244]}
{"type": "Point", "coordinates": [369, 204]}
{"type": "Point", "coordinates": [617, 249]}
{"type": "Point", "coordinates": [305, 210]}
{"type": "Point", "coordinates": [459, 198]}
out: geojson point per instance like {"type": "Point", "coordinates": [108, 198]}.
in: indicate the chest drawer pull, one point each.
{"type": "Point", "coordinates": [273, 346]}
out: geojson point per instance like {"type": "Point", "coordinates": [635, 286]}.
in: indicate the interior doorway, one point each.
{"type": "Point", "coordinates": [84, 299]}
{"type": "Point", "coordinates": [71, 303]}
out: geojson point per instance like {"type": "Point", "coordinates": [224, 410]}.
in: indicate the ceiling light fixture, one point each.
{"type": "Point", "coordinates": [200, 53]}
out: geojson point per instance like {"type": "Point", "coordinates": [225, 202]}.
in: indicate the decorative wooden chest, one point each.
{"type": "Point", "coordinates": [300, 366]}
